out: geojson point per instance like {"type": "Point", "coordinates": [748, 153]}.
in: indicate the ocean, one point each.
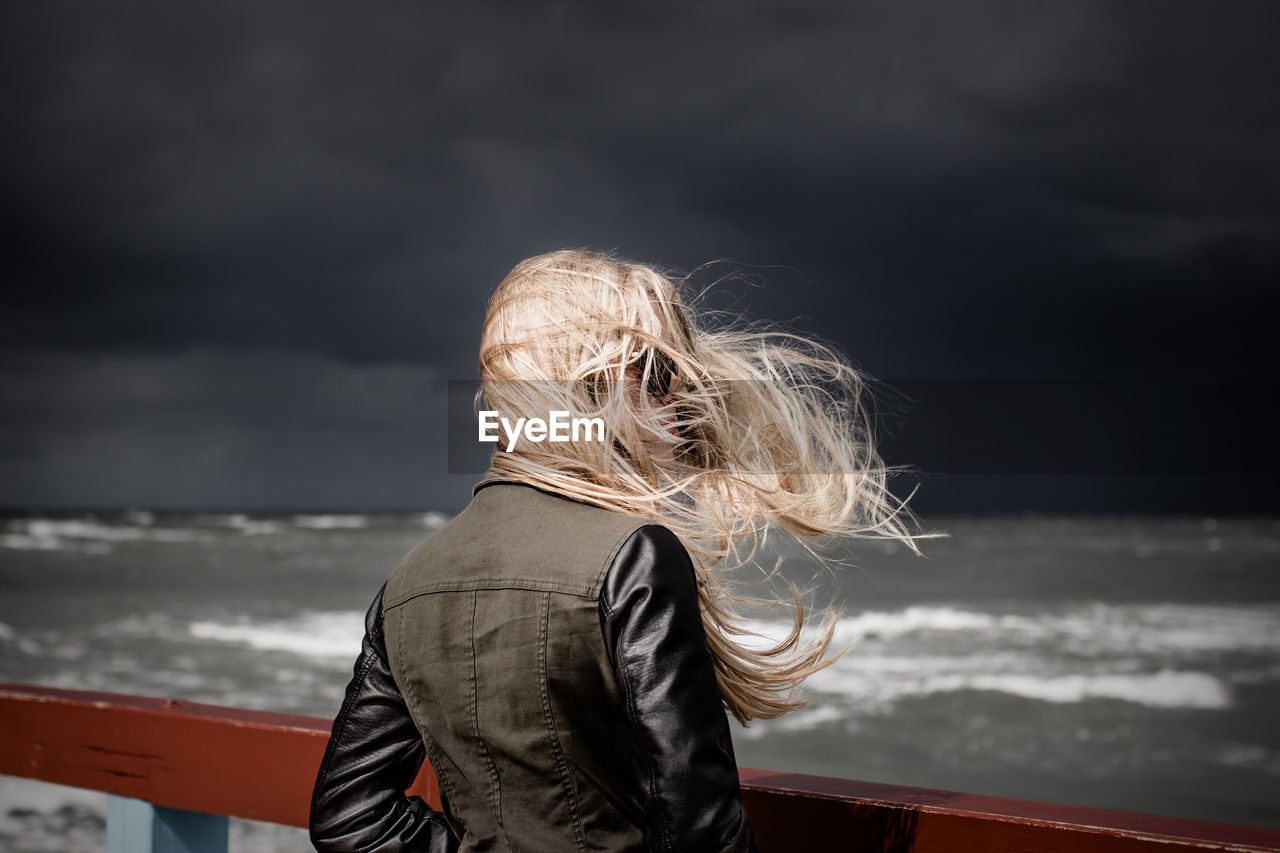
{"type": "Point", "coordinates": [1122, 662]}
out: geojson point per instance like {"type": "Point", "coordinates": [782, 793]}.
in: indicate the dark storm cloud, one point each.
{"type": "Point", "coordinates": [207, 427]}
{"type": "Point", "coordinates": [991, 189]}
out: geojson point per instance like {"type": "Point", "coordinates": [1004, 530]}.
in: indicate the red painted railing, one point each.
{"type": "Point", "coordinates": [259, 765]}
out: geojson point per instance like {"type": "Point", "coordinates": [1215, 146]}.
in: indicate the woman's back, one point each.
{"type": "Point", "coordinates": [530, 638]}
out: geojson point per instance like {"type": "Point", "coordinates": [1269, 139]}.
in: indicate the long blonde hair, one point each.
{"type": "Point", "coordinates": [763, 429]}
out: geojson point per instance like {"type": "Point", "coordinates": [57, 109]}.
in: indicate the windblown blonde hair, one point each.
{"type": "Point", "coordinates": [772, 432]}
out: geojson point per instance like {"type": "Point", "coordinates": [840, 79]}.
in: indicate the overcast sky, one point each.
{"type": "Point", "coordinates": [247, 244]}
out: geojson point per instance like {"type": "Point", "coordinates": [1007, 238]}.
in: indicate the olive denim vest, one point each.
{"type": "Point", "coordinates": [502, 606]}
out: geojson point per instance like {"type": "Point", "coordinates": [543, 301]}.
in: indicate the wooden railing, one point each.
{"type": "Point", "coordinates": [175, 770]}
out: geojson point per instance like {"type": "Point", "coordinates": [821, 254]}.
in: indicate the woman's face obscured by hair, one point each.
{"type": "Point", "coordinates": [653, 388]}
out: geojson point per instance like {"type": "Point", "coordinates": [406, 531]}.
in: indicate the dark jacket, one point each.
{"type": "Point", "coordinates": [550, 659]}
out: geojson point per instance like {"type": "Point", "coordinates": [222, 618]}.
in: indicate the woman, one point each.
{"type": "Point", "coordinates": [564, 651]}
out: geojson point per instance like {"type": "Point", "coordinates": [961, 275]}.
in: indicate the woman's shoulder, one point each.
{"type": "Point", "coordinates": [512, 534]}
{"type": "Point", "coordinates": [652, 557]}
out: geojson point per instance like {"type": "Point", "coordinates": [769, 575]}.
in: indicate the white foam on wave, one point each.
{"type": "Point", "coordinates": [91, 529]}
{"type": "Point", "coordinates": [250, 526]}
{"type": "Point", "coordinates": [810, 718]}
{"type": "Point", "coordinates": [38, 644]}
{"type": "Point", "coordinates": [1163, 689]}
{"type": "Point", "coordinates": [914, 620]}
{"type": "Point", "coordinates": [330, 522]}
{"type": "Point", "coordinates": [1094, 629]}
{"type": "Point", "coordinates": [1100, 628]}
{"type": "Point", "coordinates": [11, 640]}
{"type": "Point", "coordinates": [1160, 656]}
{"type": "Point", "coordinates": [88, 535]}
{"type": "Point", "coordinates": [1251, 756]}
{"type": "Point", "coordinates": [159, 625]}
{"type": "Point", "coordinates": [870, 686]}
{"type": "Point", "coordinates": [141, 517]}
{"type": "Point", "coordinates": [764, 633]}
{"type": "Point", "coordinates": [325, 634]}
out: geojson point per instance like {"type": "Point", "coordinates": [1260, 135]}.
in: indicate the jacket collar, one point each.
{"type": "Point", "coordinates": [492, 478]}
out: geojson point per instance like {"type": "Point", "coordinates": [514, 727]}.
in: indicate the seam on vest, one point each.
{"type": "Point", "coordinates": [578, 590]}
{"type": "Point", "coordinates": [566, 778]}
{"type": "Point", "coordinates": [495, 791]}
{"type": "Point", "coordinates": [428, 743]}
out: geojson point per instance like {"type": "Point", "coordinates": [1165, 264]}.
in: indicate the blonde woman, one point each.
{"type": "Point", "coordinates": [565, 650]}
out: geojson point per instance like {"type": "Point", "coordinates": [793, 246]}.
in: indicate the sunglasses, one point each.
{"type": "Point", "coordinates": [662, 374]}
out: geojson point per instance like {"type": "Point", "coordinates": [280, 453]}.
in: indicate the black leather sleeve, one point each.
{"type": "Point", "coordinates": [374, 753]}
{"type": "Point", "coordinates": [684, 755]}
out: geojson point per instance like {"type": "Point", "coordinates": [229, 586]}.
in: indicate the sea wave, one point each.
{"type": "Point", "coordinates": [330, 522]}
{"type": "Point", "coordinates": [1093, 629]}
{"type": "Point", "coordinates": [914, 620]}
{"type": "Point", "coordinates": [846, 698]}
{"type": "Point", "coordinates": [324, 634]}
{"type": "Point", "coordinates": [250, 526]}
{"type": "Point", "coordinates": [875, 690]}
{"type": "Point", "coordinates": [1163, 689]}
{"type": "Point", "coordinates": [90, 535]}
{"type": "Point", "coordinates": [1160, 656]}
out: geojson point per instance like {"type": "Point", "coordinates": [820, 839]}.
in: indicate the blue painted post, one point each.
{"type": "Point", "coordinates": [136, 826]}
